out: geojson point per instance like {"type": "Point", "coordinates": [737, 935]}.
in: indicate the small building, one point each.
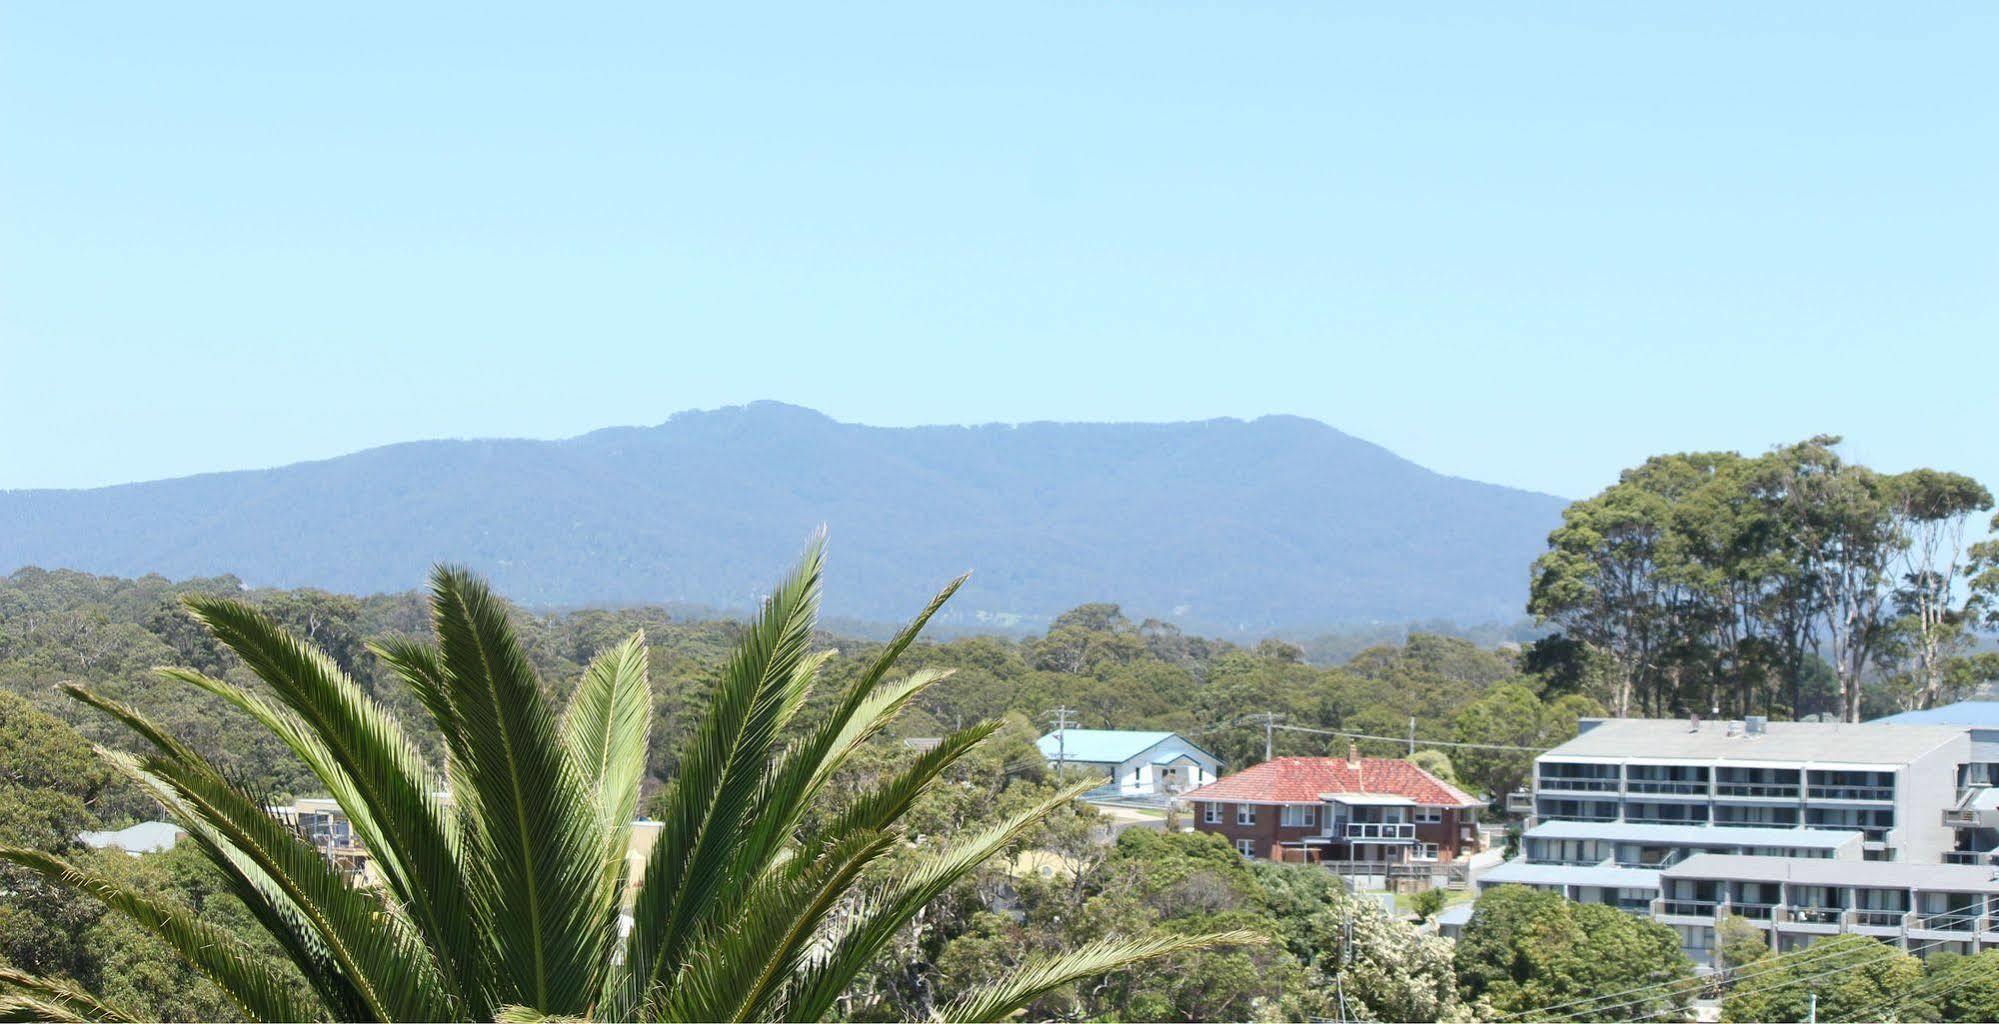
{"type": "Point", "coordinates": [145, 837]}
{"type": "Point", "coordinates": [1137, 763]}
{"type": "Point", "coordinates": [1374, 809]}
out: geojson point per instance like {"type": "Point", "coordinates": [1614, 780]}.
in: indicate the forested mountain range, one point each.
{"type": "Point", "coordinates": [1224, 525]}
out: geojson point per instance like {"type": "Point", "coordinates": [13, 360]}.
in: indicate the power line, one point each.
{"type": "Point", "coordinates": [1413, 742]}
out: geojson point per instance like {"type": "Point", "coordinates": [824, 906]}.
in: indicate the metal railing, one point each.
{"type": "Point", "coordinates": [1574, 785]}
{"type": "Point", "coordinates": [1687, 908]}
{"type": "Point", "coordinates": [1668, 787]}
{"type": "Point", "coordinates": [1391, 830]}
{"type": "Point", "coordinates": [1816, 915]}
{"type": "Point", "coordinates": [1757, 790]}
{"type": "Point", "coordinates": [1851, 792]}
{"type": "Point", "coordinates": [1752, 911]}
{"type": "Point", "coordinates": [1862, 918]}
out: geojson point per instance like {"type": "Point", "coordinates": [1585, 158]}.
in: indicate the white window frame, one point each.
{"type": "Point", "coordinates": [1299, 816]}
{"type": "Point", "coordinates": [1429, 815]}
{"type": "Point", "coordinates": [1246, 847]}
{"type": "Point", "coordinates": [1245, 814]}
{"type": "Point", "coordinates": [1425, 851]}
{"type": "Point", "coordinates": [1211, 814]}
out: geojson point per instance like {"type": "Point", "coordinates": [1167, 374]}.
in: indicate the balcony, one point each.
{"type": "Point", "coordinates": [1879, 793]}
{"type": "Point", "coordinates": [1520, 803]}
{"type": "Point", "coordinates": [1666, 788]}
{"type": "Point", "coordinates": [1815, 915]}
{"type": "Point", "coordinates": [1557, 784]}
{"type": "Point", "coordinates": [1685, 908]}
{"type": "Point", "coordinates": [1379, 831]}
{"type": "Point", "coordinates": [1757, 790]}
{"type": "Point", "coordinates": [1877, 918]}
{"type": "Point", "coordinates": [1753, 911]}
{"type": "Point", "coordinates": [1964, 920]}
{"type": "Point", "coordinates": [1974, 857]}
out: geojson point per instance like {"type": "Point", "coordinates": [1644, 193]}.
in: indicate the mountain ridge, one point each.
{"type": "Point", "coordinates": [1276, 522]}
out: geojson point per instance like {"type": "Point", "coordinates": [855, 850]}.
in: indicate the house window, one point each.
{"type": "Point", "coordinates": [1211, 814]}
{"type": "Point", "coordinates": [1246, 847]}
{"type": "Point", "coordinates": [1429, 815]}
{"type": "Point", "coordinates": [1426, 851]}
{"type": "Point", "coordinates": [1299, 815]}
{"type": "Point", "coordinates": [1245, 814]}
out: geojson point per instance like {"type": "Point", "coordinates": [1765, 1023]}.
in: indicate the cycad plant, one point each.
{"type": "Point", "coordinates": [500, 896]}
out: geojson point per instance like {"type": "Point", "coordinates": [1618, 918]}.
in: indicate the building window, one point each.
{"type": "Point", "coordinates": [1426, 851]}
{"type": "Point", "coordinates": [1211, 813]}
{"type": "Point", "coordinates": [1246, 847]}
{"type": "Point", "coordinates": [1429, 815]}
{"type": "Point", "coordinates": [1245, 814]}
{"type": "Point", "coordinates": [1299, 815]}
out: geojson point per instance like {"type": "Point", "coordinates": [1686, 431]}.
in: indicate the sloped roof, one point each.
{"type": "Point", "coordinates": [1302, 780]}
{"type": "Point", "coordinates": [1677, 739]}
{"type": "Point", "coordinates": [1102, 746]}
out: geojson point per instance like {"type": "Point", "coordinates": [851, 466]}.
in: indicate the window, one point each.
{"type": "Point", "coordinates": [1429, 815]}
{"type": "Point", "coordinates": [1426, 851]}
{"type": "Point", "coordinates": [1246, 847]}
{"type": "Point", "coordinates": [1211, 814]}
{"type": "Point", "coordinates": [1245, 814]}
{"type": "Point", "coordinates": [1299, 815]}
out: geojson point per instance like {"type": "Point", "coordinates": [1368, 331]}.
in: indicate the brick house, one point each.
{"type": "Point", "coordinates": [1328, 808]}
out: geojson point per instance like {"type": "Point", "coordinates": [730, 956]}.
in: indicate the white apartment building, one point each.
{"type": "Point", "coordinates": [1805, 828]}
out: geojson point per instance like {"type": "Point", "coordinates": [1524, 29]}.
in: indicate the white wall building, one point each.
{"type": "Point", "coordinates": [1137, 763]}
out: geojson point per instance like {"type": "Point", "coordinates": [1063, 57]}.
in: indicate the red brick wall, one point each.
{"type": "Point", "coordinates": [1267, 833]}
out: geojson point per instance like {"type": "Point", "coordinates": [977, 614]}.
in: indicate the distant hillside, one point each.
{"type": "Point", "coordinates": [1224, 525]}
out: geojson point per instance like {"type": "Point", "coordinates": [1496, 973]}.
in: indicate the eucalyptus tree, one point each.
{"type": "Point", "coordinates": [502, 881]}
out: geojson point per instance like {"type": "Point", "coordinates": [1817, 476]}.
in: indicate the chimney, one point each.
{"type": "Point", "coordinates": [1353, 755]}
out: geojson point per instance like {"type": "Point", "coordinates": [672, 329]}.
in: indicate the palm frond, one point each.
{"type": "Point", "coordinates": [30, 997]}
{"type": "Point", "coordinates": [742, 968]}
{"type": "Point", "coordinates": [373, 942]}
{"type": "Point", "coordinates": [1001, 999]}
{"type": "Point", "coordinates": [881, 806]}
{"type": "Point", "coordinates": [404, 827]}
{"type": "Point", "coordinates": [899, 900]}
{"type": "Point", "coordinates": [606, 727]}
{"type": "Point", "coordinates": [527, 814]}
{"type": "Point", "coordinates": [264, 994]}
{"type": "Point", "coordinates": [722, 766]}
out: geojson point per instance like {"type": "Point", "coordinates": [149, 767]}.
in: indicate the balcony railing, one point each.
{"type": "Point", "coordinates": [1978, 857]}
{"type": "Point", "coordinates": [1965, 920]}
{"type": "Point", "coordinates": [1816, 915]}
{"type": "Point", "coordinates": [1574, 785]}
{"type": "Point", "coordinates": [1633, 820]}
{"type": "Point", "coordinates": [1878, 918]}
{"type": "Point", "coordinates": [1752, 911]}
{"type": "Point", "coordinates": [1757, 790]}
{"type": "Point", "coordinates": [1387, 830]}
{"type": "Point", "coordinates": [1852, 792]}
{"type": "Point", "coordinates": [1688, 908]}
{"type": "Point", "coordinates": [1670, 788]}
{"type": "Point", "coordinates": [1519, 803]}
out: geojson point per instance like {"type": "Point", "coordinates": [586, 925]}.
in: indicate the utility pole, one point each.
{"type": "Point", "coordinates": [1812, 1017]}
{"type": "Point", "coordinates": [1061, 717]}
{"type": "Point", "coordinates": [1412, 735]}
{"type": "Point", "coordinates": [1270, 721]}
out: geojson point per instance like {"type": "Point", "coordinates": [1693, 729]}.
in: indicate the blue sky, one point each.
{"type": "Point", "coordinates": [1523, 243]}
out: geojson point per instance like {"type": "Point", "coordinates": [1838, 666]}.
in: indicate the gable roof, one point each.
{"type": "Point", "coordinates": [1302, 780]}
{"type": "Point", "coordinates": [1104, 746]}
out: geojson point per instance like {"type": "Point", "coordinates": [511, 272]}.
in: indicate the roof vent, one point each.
{"type": "Point", "coordinates": [1694, 723]}
{"type": "Point", "coordinates": [1756, 725]}
{"type": "Point", "coordinates": [1735, 727]}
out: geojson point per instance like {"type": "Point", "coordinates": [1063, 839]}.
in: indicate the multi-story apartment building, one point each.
{"type": "Point", "coordinates": [1634, 812]}
{"type": "Point", "coordinates": [1357, 809]}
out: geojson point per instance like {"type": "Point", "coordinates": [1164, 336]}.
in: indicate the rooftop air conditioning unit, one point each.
{"type": "Point", "coordinates": [1756, 725]}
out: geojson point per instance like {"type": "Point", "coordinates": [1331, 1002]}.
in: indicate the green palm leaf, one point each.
{"type": "Point", "coordinates": [263, 993]}
{"type": "Point", "coordinates": [501, 900]}
{"type": "Point", "coordinates": [529, 818]}
{"type": "Point", "coordinates": [1003, 998]}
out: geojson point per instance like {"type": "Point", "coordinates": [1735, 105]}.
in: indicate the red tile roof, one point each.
{"type": "Point", "coordinates": [1300, 780]}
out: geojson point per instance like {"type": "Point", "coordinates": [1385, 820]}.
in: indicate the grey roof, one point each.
{"type": "Point", "coordinates": [145, 837]}
{"type": "Point", "coordinates": [1876, 874]}
{"type": "Point", "coordinates": [1675, 739]}
{"type": "Point", "coordinates": [1695, 835]}
{"type": "Point", "coordinates": [1519, 871]}
{"type": "Point", "coordinates": [1983, 713]}
{"type": "Point", "coordinates": [1456, 916]}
